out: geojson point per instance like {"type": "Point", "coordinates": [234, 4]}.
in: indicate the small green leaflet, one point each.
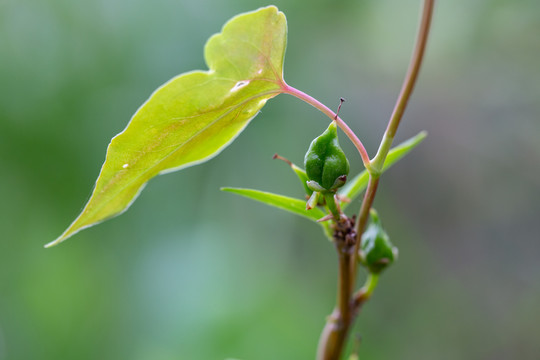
{"type": "Point", "coordinates": [293, 205]}
{"type": "Point", "coordinates": [296, 206]}
{"type": "Point", "coordinates": [194, 116]}
{"type": "Point", "coordinates": [354, 187]}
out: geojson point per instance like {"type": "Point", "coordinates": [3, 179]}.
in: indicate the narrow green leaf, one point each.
{"type": "Point", "coordinates": [399, 151]}
{"type": "Point", "coordinates": [354, 187]}
{"type": "Point", "coordinates": [194, 116]}
{"type": "Point", "coordinates": [296, 206]}
{"type": "Point", "coordinates": [293, 205]}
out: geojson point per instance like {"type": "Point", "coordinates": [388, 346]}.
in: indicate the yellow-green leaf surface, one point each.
{"type": "Point", "coordinates": [191, 118]}
{"type": "Point", "coordinates": [296, 206]}
{"type": "Point", "coordinates": [354, 187]}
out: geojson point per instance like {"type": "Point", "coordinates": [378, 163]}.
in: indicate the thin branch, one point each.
{"type": "Point", "coordinates": [335, 333]}
{"type": "Point", "coordinates": [363, 295]}
{"type": "Point", "coordinates": [344, 284]}
{"type": "Point", "coordinates": [325, 110]}
{"type": "Point", "coordinates": [401, 104]}
{"type": "Point", "coordinates": [408, 85]}
{"type": "Point", "coordinates": [363, 217]}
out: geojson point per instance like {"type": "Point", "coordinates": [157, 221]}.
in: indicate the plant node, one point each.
{"type": "Point", "coordinates": [344, 233]}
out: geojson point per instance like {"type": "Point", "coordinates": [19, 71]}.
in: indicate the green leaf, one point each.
{"type": "Point", "coordinates": [293, 205]}
{"type": "Point", "coordinates": [354, 187]}
{"type": "Point", "coordinates": [194, 116]}
{"type": "Point", "coordinates": [296, 206]}
{"type": "Point", "coordinates": [399, 151]}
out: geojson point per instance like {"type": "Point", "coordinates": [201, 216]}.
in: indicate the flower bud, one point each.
{"type": "Point", "coordinates": [326, 165]}
{"type": "Point", "coordinates": [376, 251]}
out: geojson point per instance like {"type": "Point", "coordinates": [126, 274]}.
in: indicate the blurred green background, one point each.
{"type": "Point", "coordinates": [192, 273]}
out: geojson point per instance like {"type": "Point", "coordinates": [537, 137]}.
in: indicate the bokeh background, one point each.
{"type": "Point", "coordinates": [192, 273]}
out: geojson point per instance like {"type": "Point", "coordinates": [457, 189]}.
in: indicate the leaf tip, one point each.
{"type": "Point", "coordinates": [53, 243]}
{"type": "Point", "coordinates": [59, 239]}
{"type": "Point", "coordinates": [70, 231]}
{"type": "Point", "coordinates": [422, 135]}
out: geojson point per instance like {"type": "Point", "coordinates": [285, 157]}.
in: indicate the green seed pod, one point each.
{"type": "Point", "coordinates": [376, 251]}
{"type": "Point", "coordinates": [326, 165]}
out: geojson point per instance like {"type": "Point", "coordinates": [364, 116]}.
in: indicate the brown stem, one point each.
{"type": "Point", "coordinates": [414, 68]}
{"type": "Point", "coordinates": [397, 114]}
{"type": "Point", "coordinates": [407, 87]}
{"type": "Point", "coordinates": [332, 340]}
{"type": "Point", "coordinates": [336, 331]}
{"type": "Point", "coordinates": [363, 217]}
{"type": "Point", "coordinates": [334, 335]}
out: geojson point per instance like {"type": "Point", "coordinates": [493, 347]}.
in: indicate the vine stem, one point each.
{"type": "Point", "coordinates": [408, 85]}
{"type": "Point", "coordinates": [287, 89]}
{"type": "Point", "coordinates": [335, 333]}
{"type": "Point", "coordinates": [395, 119]}
{"type": "Point", "coordinates": [377, 163]}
